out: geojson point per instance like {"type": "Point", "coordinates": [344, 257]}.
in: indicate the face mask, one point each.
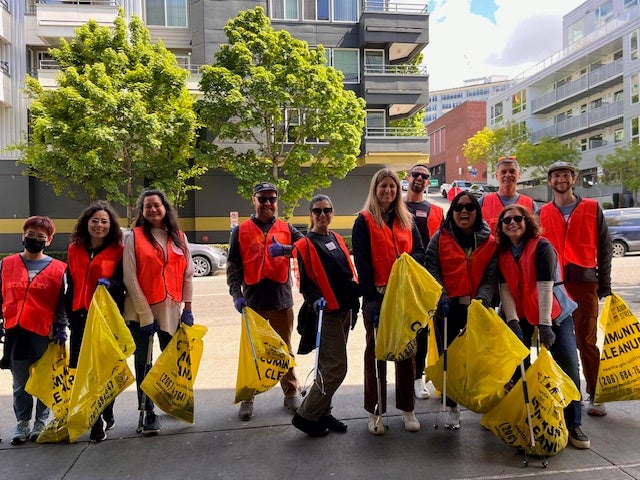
{"type": "Point", "coordinates": [33, 245]}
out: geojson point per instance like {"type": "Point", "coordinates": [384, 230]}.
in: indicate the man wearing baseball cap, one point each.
{"type": "Point", "coordinates": [258, 277]}
{"type": "Point", "coordinates": [577, 229]}
{"type": "Point", "coordinates": [507, 174]}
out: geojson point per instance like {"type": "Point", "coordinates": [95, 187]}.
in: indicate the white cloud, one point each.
{"type": "Point", "coordinates": [463, 45]}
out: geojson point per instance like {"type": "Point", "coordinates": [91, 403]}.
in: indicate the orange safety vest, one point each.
{"type": "Point", "coordinates": [386, 246]}
{"type": "Point", "coordinates": [30, 304]}
{"type": "Point", "coordinates": [575, 240]}
{"type": "Point", "coordinates": [492, 206]}
{"type": "Point", "coordinates": [461, 274]}
{"type": "Point", "coordinates": [434, 220]}
{"type": "Point", "coordinates": [158, 277]}
{"type": "Point", "coordinates": [316, 270]}
{"type": "Point", "coordinates": [86, 271]}
{"type": "Point", "coordinates": [522, 281]}
{"type": "Point", "coordinates": [254, 244]}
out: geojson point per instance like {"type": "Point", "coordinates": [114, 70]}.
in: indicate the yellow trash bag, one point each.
{"type": "Point", "coordinates": [264, 357]}
{"type": "Point", "coordinates": [480, 361]}
{"type": "Point", "coordinates": [619, 372]}
{"type": "Point", "coordinates": [102, 371]}
{"type": "Point", "coordinates": [50, 380]}
{"type": "Point", "coordinates": [169, 383]}
{"type": "Point", "coordinates": [113, 318]}
{"type": "Point", "coordinates": [550, 390]}
{"type": "Point", "coordinates": [410, 299]}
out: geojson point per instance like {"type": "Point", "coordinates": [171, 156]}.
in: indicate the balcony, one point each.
{"type": "Point", "coordinates": [596, 118]}
{"type": "Point", "coordinates": [404, 87]}
{"type": "Point", "coordinates": [5, 22]}
{"type": "Point", "coordinates": [5, 84]}
{"type": "Point", "coordinates": [404, 27]}
{"type": "Point", "coordinates": [60, 18]}
{"type": "Point", "coordinates": [394, 146]}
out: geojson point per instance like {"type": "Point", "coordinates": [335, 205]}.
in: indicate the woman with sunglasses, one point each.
{"type": "Point", "coordinates": [461, 257]}
{"type": "Point", "coordinates": [383, 230]}
{"type": "Point", "coordinates": [528, 271]}
{"type": "Point", "coordinates": [328, 281]}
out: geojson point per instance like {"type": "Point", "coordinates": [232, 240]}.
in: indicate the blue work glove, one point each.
{"type": "Point", "coordinates": [60, 335]}
{"type": "Point", "coordinates": [514, 325]}
{"type": "Point", "coordinates": [187, 317]}
{"type": "Point", "coordinates": [151, 328]}
{"type": "Point", "coordinates": [240, 303]}
{"type": "Point", "coordinates": [319, 304]}
{"type": "Point", "coordinates": [547, 337]}
{"type": "Point", "coordinates": [372, 310]}
{"type": "Point", "coordinates": [276, 249]}
{"type": "Point", "coordinates": [104, 282]}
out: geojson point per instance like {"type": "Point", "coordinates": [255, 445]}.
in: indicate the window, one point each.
{"type": "Point", "coordinates": [375, 122]}
{"type": "Point", "coordinates": [633, 79]}
{"type": "Point", "coordinates": [374, 60]}
{"type": "Point", "coordinates": [167, 13]}
{"type": "Point", "coordinates": [316, 9]}
{"type": "Point", "coordinates": [575, 32]}
{"type": "Point", "coordinates": [596, 141]}
{"type": "Point", "coordinates": [635, 130]}
{"type": "Point", "coordinates": [604, 13]}
{"type": "Point", "coordinates": [519, 102]}
{"type": "Point", "coordinates": [348, 62]}
{"type": "Point", "coordinates": [597, 103]}
{"type": "Point", "coordinates": [631, 3]}
{"type": "Point", "coordinates": [345, 10]}
{"type": "Point", "coordinates": [618, 135]}
{"type": "Point", "coordinates": [437, 141]}
{"type": "Point", "coordinates": [496, 113]}
{"type": "Point", "coordinates": [633, 45]}
{"type": "Point", "coordinates": [583, 145]}
{"type": "Point", "coordinates": [285, 9]}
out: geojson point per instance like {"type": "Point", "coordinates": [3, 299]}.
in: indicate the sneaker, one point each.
{"type": "Point", "coordinates": [98, 434]}
{"type": "Point", "coordinates": [21, 433]}
{"type": "Point", "coordinates": [151, 425]}
{"type": "Point", "coordinates": [333, 424]}
{"type": "Point", "coordinates": [38, 427]}
{"type": "Point", "coordinates": [375, 424]}
{"type": "Point", "coordinates": [310, 427]}
{"type": "Point", "coordinates": [578, 439]}
{"type": "Point", "coordinates": [246, 411]}
{"type": "Point", "coordinates": [107, 416]}
{"type": "Point", "coordinates": [292, 404]}
{"type": "Point", "coordinates": [596, 409]}
{"type": "Point", "coordinates": [453, 419]}
{"type": "Point", "coordinates": [420, 389]}
{"type": "Point", "coordinates": [411, 423]}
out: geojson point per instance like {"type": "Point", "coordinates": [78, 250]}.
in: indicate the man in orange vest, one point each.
{"type": "Point", "coordinates": [428, 218]}
{"type": "Point", "coordinates": [577, 229]}
{"type": "Point", "coordinates": [258, 275]}
{"type": "Point", "coordinates": [507, 174]}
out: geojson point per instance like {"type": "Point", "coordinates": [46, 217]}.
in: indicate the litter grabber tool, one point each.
{"type": "Point", "coordinates": [445, 313]}
{"type": "Point", "coordinates": [378, 408]}
{"type": "Point", "coordinates": [143, 397]}
{"type": "Point", "coordinates": [318, 381]}
{"type": "Point", "coordinates": [545, 463]}
{"type": "Point", "coordinates": [253, 349]}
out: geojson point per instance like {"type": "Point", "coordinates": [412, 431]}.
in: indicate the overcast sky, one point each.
{"type": "Point", "coordinates": [478, 38]}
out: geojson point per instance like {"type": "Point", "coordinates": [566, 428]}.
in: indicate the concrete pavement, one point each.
{"type": "Point", "coordinates": [219, 446]}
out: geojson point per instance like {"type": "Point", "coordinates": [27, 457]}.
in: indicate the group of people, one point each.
{"type": "Point", "coordinates": [502, 250]}
{"type": "Point", "coordinates": [149, 275]}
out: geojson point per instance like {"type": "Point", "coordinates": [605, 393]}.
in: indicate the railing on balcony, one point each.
{"type": "Point", "coordinates": [396, 132]}
{"type": "Point", "coordinates": [395, 69]}
{"type": "Point", "coordinates": [390, 6]}
{"type": "Point", "coordinates": [48, 64]}
{"type": "Point", "coordinates": [4, 67]}
{"type": "Point", "coordinates": [4, 4]}
{"type": "Point", "coordinates": [32, 4]}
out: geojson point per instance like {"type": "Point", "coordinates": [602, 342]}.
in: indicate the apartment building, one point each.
{"type": "Point", "coordinates": [370, 41]}
{"type": "Point", "coordinates": [587, 95]}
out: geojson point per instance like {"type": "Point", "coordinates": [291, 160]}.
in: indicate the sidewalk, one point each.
{"type": "Point", "coordinates": [220, 446]}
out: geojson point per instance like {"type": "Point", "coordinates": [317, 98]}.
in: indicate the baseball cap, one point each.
{"type": "Point", "coordinates": [562, 166]}
{"type": "Point", "coordinates": [509, 159]}
{"type": "Point", "coordinates": [264, 187]}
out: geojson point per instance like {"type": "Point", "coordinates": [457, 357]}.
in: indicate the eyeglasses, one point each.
{"type": "Point", "coordinates": [271, 200]}
{"type": "Point", "coordinates": [320, 211]}
{"type": "Point", "coordinates": [424, 176]}
{"type": "Point", "coordinates": [511, 158]}
{"type": "Point", "coordinates": [98, 221]}
{"type": "Point", "coordinates": [469, 207]}
{"type": "Point", "coordinates": [515, 218]}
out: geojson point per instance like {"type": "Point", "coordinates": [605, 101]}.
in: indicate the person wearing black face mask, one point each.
{"type": "Point", "coordinates": [32, 287]}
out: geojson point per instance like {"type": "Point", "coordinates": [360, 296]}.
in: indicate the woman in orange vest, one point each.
{"type": "Point", "coordinates": [33, 309]}
{"type": "Point", "coordinates": [383, 230]}
{"type": "Point", "coordinates": [529, 270]}
{"type": "Point", "coordinates": [328, 281]}
{"type": "Point", "coordinates": [95, 258]}
{"type": "Point", "coordinates": [460, 256]}
{"type": "Point", "coordinates": [158, 275]}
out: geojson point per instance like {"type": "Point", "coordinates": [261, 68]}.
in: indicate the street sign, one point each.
{"type": "Point", "coordinates": [233, 219]}
{"type": "Point", "coordinates": [434, 182]}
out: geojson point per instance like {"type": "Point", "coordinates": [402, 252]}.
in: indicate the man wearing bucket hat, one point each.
{"type": "Point", "coordinates": [507, 174]}
{"type": "Point", "coordinates": [577, 229]}
{"type": "Point", "coordinates": [258, 277]}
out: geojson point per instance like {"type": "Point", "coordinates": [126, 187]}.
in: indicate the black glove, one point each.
{"type": "Point", "coordinates": [604, 292]}
{"type": "Point", "coordinates": [1, 331]}
{"type": "Point", "coordinates": [547, 337]}
{"type": "Point", "coordinates": [514, 325]}
{"type": "Point", "coordinates": [486, 303]}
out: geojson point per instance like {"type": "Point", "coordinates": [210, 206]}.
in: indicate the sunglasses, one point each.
{"type": "Point", "coordinates": [424, 176]}
{"type": "Point", "coordinates": [510, 157]}
{"type": "Point", "coordinates": [320, 211]}
{"type": "Point", "coordinates": [271, 200]}
{"type": "Point", "coordinates": [515, 218]}
{"type": "Point", "coordinates": [469, 207]}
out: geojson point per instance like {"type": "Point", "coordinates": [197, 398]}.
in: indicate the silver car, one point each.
{"type": "Point", "coordinates": [624, 229]}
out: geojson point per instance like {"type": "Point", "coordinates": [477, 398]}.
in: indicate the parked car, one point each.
{"type": "Point", "coordinates": [624, 229]}
{"type": "Point", "coordinates": [480, 189]}
{"type": "Point", "coordinates": [404, 185]}
{"type": "Point", "coordinates": [206, 259]}
{"type": "Point", "coordinates": [460, 184]}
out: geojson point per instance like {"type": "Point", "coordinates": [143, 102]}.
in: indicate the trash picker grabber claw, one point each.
{"type": "Point", "coordinates": [316, 370]}
{"type": "Point", "coordinates": [378, 407]}
{"type": "Point", "coordinates": [445, 313]}
{"type": "Point", "coordinates": [143, 397]}
{"type": "Point", "coordinates": [253, 350]}
{"type": "Point", "coordinates": [545, 464]}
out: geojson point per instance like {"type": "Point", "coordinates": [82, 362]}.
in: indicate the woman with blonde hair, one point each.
{"type": "Point", "coordinates": [383, 230]}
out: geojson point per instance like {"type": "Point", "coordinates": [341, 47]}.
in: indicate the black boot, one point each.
{"type": "Point", "coordinates": [311, 428]}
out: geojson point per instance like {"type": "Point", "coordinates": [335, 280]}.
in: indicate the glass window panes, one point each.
{"type": "Point", "coordinates": [166, 13]}
{"type": "Point", "coordinates": [285, 9]}
{"type": "Point", "coordinates": [345, 10]}
{"type": "Point", "coordinates": [347, 61]}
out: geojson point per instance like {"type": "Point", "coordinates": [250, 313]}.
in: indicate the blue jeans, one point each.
{"type": "Point", "coordinates": [23, 401]}
{"type": "Point", "coordinates": [565, 352]}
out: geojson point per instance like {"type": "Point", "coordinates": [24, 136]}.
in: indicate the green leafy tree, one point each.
{"type": "Point", "coordinates": [268, 91]}
{"type": "Point", "coordinates": [623, 166]}
{"type": "Point", "coordinates": [121, 119]}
